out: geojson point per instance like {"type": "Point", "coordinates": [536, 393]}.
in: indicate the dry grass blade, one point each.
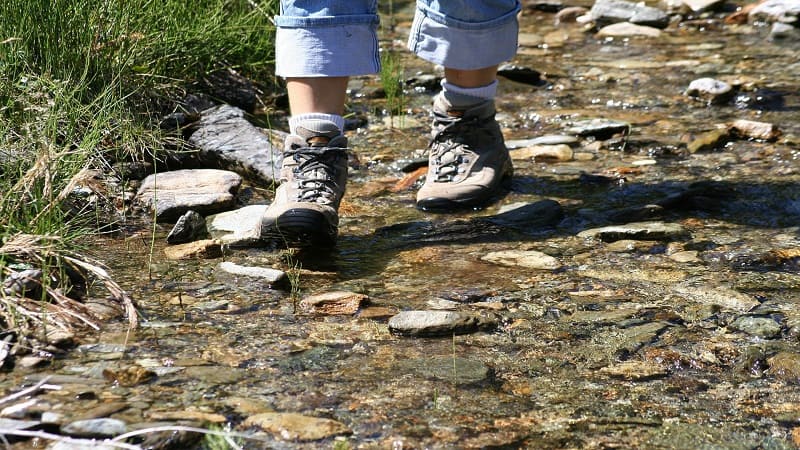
{"type": "Point", "coordinates": [60, 311]}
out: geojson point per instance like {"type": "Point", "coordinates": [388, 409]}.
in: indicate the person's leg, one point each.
{"type": "Point", "coordinates": [318, 46]}
{"type": "Point", "coordinates": [468, 159]}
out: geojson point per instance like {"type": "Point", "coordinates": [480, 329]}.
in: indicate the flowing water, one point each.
{"type": "Point", "coordinates": [624, 345]}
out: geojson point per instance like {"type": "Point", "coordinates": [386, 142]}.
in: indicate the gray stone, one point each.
{"type": "Point", "coordinates": [783, 32]}
{"type": "Point", "coordinates": [172, 194]}
{"type": "Point", "coordinates": [189, 227]}
{"type": "Point", "coordinates": [529, 259]}
{"type": "Point", "coordinates": [437, 323]}
{"type": "Point", "coordinates": [710, 90]}
{"type": "Point", "coordinates": [25, 283]}
{"type": "Point", "coordinates": [643, 231]}
{"type": "Point", "coordinates": [238, 228]}
{"type": "Point", "coordinates": [225, 138]}
{"type": "Point", "coordinates": [529, 217]}
{"type": "Point", "coordinates": [104, 427]}
{"type": "Point", "coordinates": [703, 5]}
{"type": "Point", "coordinates": [211, 305]}
{"type": "Point", "coordinates": [762, 327]}
{"type": "Point", "coordinates": [717, 295]}
{"type": "Point", "coordinates": [15, 424]}
{"type": "Point", "coordinates": [266, 274]}
{"type": "Point", "coordinates": [549, 139]}
{"type": "Point", "coordinates": [81, 444]}
{"type": "Point", "coordinates": [627, 29]}
{"type": "Point", "coordinates": [606, 12]}
{"type": "Point", "coordinates": [786, 11]}
{"type": "Point", "coordinates": [599, 128]}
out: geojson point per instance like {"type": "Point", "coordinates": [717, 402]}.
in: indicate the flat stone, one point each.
{"type": "Point", "coordinates": [99, 428]}
{"type": "Point", "coordinates": [559, 152]}
{"type": "Point", "coordinates": [529, 259]}
{"type": "Point", "coordinates": [784, 32]}
{"type": "Point", "coordinates": [454, 369]}
{"type": "Point", "coordinates": [710, 90]}
{"type": "Point", "coordinates": [763, 327]}
{"type": "Point", "coordinates": [786, 11]}
{"type": "Point", "coordinates": [549, 139]}
{"type": "Point", "coordinates": [203, 249]}
{"type": "Point", "coordinates": [717, 295]}
{"type": "Point", "coordinates": [608, 317]}
{"type": "Point", "coordinates": [81, 444]}
{"type": "Point", "coordinates": [334, 303]}
{"type": "Point", "coordinates": [709, 140]}
{"type": "Point", "coordinates": [599, 128]}
{"type": "Point", "coordinates": [172, 194]}
{"type": "Point", "coordinates": [265, 274]}
{"type": "Point", "coordinates": [239, 227]}
{"type": "Point", "coordinates": [189, 227]}
{"type": "Point", "coordinates": [437, 323]}
{"type": "Point", "coordinates": [606, 12]}
{"type": "Point", "coordinates": [226, 139]}
{"type": "Point", "coordinates": [703, 5]}
{"type": "Point", "coordinates": [627, 29]}
{"type": "Point", "coordinates": [215, 374]}
{"type": "Point", "coordinates": [634, 370]}
{"type": "Point", "coordinates": [785, 366]}
{"type": "Point", "coordinates": [15, 424]}
{"type": "Point", "coordinates": [529, 217]}
{"type": "Point", "coordinates": [755, 130]}
{"type": "Point", "coordinates": [643, 231]}
{"type": "Point", "coordinates": [296, 427]}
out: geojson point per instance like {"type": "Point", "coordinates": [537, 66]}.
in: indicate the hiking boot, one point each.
{"type": "Point", "coordinates": [304, 211]}
{"type": "Point", "coordinates": [468, 161]}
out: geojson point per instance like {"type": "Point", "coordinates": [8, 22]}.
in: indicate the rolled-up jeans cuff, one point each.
{"type": "Point", "coordinates": [333, 50]}
{"type": "Point", "coordinates": [463, 48]}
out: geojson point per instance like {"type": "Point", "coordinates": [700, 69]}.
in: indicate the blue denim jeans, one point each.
{"type": "Point", "coordinates": [318, 38]}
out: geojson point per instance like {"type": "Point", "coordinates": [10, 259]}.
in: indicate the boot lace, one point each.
{"type": "Point", "coordinates": [316, 173]}
{"type": "Point", "coordinates": [450, 148]}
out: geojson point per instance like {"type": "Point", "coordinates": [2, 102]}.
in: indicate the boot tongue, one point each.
{"type": "Point", "coordinates": [317, 132]}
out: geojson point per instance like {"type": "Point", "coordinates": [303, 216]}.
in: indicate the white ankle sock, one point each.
{"type": "Point", "coordinates": [300, 118]}
{"type": "Point", "coordinates": [461, 96]}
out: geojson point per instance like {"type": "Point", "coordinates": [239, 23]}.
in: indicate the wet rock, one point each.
{"type": "Point", "coordinates": [599, 128]}
{"type": "Point", "coordinates": [549, 139]}
{"type": "Point", "coordinates": [709, 140]}
{"type": "Point", "coordinates": [425, 81]}
{"type": "Point", "coordinates": [520, 74]}
{"type": "Point", "coordinates": [529, 259]}
{"type": "Point", "coordinates": [606, 12]}
{"type": "Point", "coordinates": [172, 194]}
{"type": "Point", "coordinates": [717, 295]}
{"type": "Point", "coordinates": [633, 338]}
{"type": "Point", "coordinates": [448, 368]}
{"type": "Point", "coordinates": [226, 139]}
{"type": "Point", "coordinates": [296, 427]}
{"type": "Point", "coordinates": [768, 281]}
{"type": "Point", "coordinates": [212, 305]}
{"type": "Point", "coordinates": [605, 317]}
{"type": "Point", "coordinates": [238, 228]}
{"type": "Point", "coordinates": [763, 327]}
{"type": "Point", "coordinates": [710, 90]}
{"type": "Point", "coordinates": [786, 11]}
{"type": "Point", "coordinates": [15, 424]}
{"type": "Point", "coordinates": [204, 249]}
{"type": "Point", "coordinates": [199, 416]}
{"type": "Point", "coordinates": [703, 5]}
{"type": "Point", "coordinates": [785, 366]}
{"type": "Point", "coordinates": [377, 312]}
{"type": "Point", "coordinates": [656, 231]}
{"type": "Point", "coordinates": [634, 371]}
{"type": "Point", "coordinates": [755, 130]}
{"type": "Point", "coordinates": [531, 217]}
{"type": "Point", "coordinates": [627, 29]}
{"type": "Point", "coordinates": [560, 152]}
{"type": "Point", "coordinates": [266, 274]}
{"type": "Point", "coordinates": [570, 14]}
{"type": "Point", "coordinates": [688, 256]}
{"type": "Point", "coordinates": [437, 323]}
{"type": "Point", "coordinates": [96, 428]}
{"type": "Point", "coordinates": [784, 32]}
{"type": "Point", "coordinates": [334, 303]}
{"type": "Point", "coordinates": [189, 227]}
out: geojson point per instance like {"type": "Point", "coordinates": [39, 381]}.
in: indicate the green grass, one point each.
{"type": "Point", "coordinates": [82, 84]}
{"type": "Point", "coordinates": [391, 76]}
